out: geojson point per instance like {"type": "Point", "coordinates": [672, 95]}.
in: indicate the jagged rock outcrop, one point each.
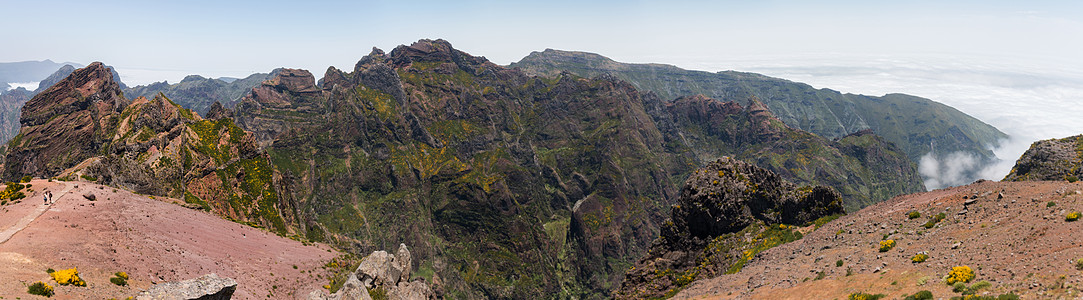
{"type": "Point", "coordinates": [728, 211]}
{"type": "Point", "coordinates": [382, 271]}
{"type": "Point", "coordinates": [83, 107]}
{"type": "Point", "coordinates": [1053, 159]}
{"type": "Point", "coordinates": [206, 287]}
{"type": "Point", "coordinates": [218, 112]}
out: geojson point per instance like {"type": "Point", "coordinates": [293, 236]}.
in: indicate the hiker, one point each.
{"type": "Point", "coordinates": [49, 195]}
{"type": "Point", "coordinates": [46, 197]}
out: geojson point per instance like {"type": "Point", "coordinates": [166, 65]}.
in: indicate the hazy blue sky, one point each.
{"type": "Point", "coordinates": [1014, 64]}
{"type": "Point", "coordinates": [241, 37]}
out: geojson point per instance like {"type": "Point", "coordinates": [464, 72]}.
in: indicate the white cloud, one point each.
{"type": "Point", "coordinates": [30, 86]}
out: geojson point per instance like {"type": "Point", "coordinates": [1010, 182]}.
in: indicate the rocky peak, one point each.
{"type": "Point", "coordinates": [1053, 159]}
{"type": "Point", "coordinates": [81, 107]}
{"type": "Point", "coordinates": [376, 56]}
{"type": "Point", "coordinates": [293, 80]}
{"type": "Point", "coordinates": [82, 89]}
{"type": "Point", "coordinates": [433, 51]}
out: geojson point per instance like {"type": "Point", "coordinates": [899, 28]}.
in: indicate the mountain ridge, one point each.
{"type": "Point", "coordinates": [902, 119]}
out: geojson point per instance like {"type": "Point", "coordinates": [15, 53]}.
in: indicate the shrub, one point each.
{"type": "Point", "coordinates": [25, 179]}
{"type": "Point", "coordinates": [922, 295]}
{"type": "Point", "coordinates": [1071, 179]}
{"type": "Point", "coordinates": [69, 276]}
{"type": "Point", "coordinates": [120, 278]}
{"type": "Point", "coordinates": [1072, 216]}
{"type": "Point", "coordinates": [1050, 204]}
{"type": "Point", "coordinates": [919, 258]}
{"type": "Point", "coordinates": [974, 288]}
{"type": "Point", "coordinates": [958, 287]}
{"type": "Point", "coordinates": [886, 245]}
{"type": "Point", "coordinates": [865, 296]}
{"type": "Point", "coordinates": [935, 219]}
{"type": "Point", "coordinates": [960, 274]}
{"type": "Point", "coordinates": [913, 214]}
{"type": "Point", "coordinates": [838, 263]}
{"type": "Point", "coordinates": [41, 289]}
{"type": "Point", "coordinates": [118, 281]}
{"type": "Point", "coordinates": [1079, 264]}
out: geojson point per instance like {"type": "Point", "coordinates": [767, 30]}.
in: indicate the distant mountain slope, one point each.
{"type": "Point", "coordinates": [29, 71]}
{"type": "Point", "coordinates": [916, 125]}
{"type": "Point", "coordinates": [198, 93]}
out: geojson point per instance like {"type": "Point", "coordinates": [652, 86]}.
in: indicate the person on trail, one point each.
{"type": "Point", "coordinates": [49, 195]}
{"type": "Point", "coordinates": [45, 196]}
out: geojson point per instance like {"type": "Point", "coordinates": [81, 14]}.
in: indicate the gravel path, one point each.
{"type": "Point", "coordinates": [19, 226]}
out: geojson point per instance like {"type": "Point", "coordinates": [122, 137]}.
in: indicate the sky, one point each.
{"type": "Point", "coordinates": [1013, 64]}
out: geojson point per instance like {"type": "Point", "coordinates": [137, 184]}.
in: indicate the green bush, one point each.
{"type": "Point", "coordinates": [865, 296]}
{"type": "Point", "coordinates": [922, 295]}
{"type": "Point", "coordinates": [913, 214]}
{"type": "Point", "coordinates": [1079, 264]}
{"type": "Point", "coordinates": [25, 179]}
{"type": "Point", "coordinates": [958, 287]}
{"type": "Point", "coordinates": [118, 281]}
{"type": "Point", "coordinates": [41, 289]}
{"type": "Point", "coordinates": [1071, 179]}
{"type": "Point", "coordinates": [1050, 204]}
{"type": "Point", "coordinates": [838, 263]}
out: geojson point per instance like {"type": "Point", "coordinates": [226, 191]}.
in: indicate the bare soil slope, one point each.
{"type": "Point", "coordinates": [153, 240]}
{"type": "Point", "coordinates": [1012, 234]}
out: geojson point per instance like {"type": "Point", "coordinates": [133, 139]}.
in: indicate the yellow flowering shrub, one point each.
{"type": "Point", "coordinates": [920, 257]}
{"type": "Point", "coordinates": [886, 245]}
{"type": "Point", "coordinates": [1072, 216]}
{"type": "Point", "coordinates": [69, 276]}
{"type": "Point", "coordinates": [960, 274]}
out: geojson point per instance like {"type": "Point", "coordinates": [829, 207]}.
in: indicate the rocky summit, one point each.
{"type": "Point", "coordinates": [728, 211]}
{"type": "Point", "coordinates": [1053, 159]}
{"type": "Point", "coordinates": [66, 124]}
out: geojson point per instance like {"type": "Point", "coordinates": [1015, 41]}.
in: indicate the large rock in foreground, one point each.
{"type": "Point", "coordinates": [727, 213]}
{"type": "Point", "coordinates": [207, 287]}
{"type": "Point", "coordinates": [1053, 159]}
{"type": "Point", "coordinates": [382, 271]}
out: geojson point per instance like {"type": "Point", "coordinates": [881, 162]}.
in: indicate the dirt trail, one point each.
{"type": "Point", "coordinates": [22, 223]}
{"type": "Point", "coordinates": [154, 240]}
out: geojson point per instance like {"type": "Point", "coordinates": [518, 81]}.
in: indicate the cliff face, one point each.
{"type": "Point", "coordinates": [1053, 159]}
{"type": "Point", "coordinates": [727, 212]}
{"type": "Point", "coordinates": [84, 107]}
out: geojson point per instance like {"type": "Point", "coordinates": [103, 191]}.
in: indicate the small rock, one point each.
{"type": "Point", "coordinates": [956, 245]}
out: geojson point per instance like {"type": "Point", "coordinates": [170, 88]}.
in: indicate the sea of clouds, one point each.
{"type": "Point", "coordinates": [30, 86]}
{"type": "Point", "coordinates": [1028, 101]}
